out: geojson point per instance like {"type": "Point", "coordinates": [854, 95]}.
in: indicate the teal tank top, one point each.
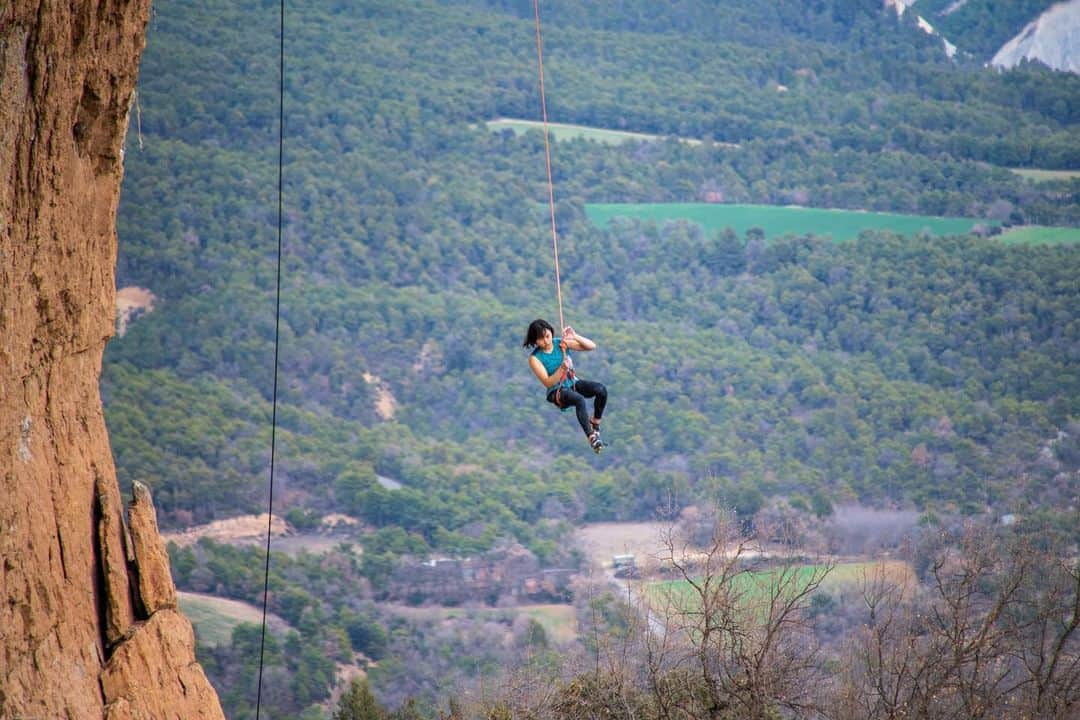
{"type": "Point", "coordinates": [552, 360]}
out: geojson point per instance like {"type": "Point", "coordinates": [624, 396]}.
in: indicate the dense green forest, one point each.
{"type": "Point", "coordinates": [414, 250]}
{"type": "Point", "coordinates": [932, 373]}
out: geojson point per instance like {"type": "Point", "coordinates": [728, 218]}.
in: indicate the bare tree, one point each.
{"type": "Point", "coordinates": [600, 679]}
{"type": "Point", "coordinates": [992, 630]}
{"type": "Point", "coordinates": [732, 642]}
{"type": "Point", "coordinates": [897, 671]}
{"type": "Point", "coordinates": [1045, 624]}
{"type": "Point", "coordinates": [992, 634]}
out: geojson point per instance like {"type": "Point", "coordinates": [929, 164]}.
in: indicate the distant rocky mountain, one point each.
{"type": "Point", "coordinates": [1052, 39]}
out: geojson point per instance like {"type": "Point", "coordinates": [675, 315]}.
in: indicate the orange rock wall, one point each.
{"type": "Point", "coordinates": [72, 617]}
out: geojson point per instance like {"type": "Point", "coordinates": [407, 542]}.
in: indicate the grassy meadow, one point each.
{"type": "Point", "coordinates": [777, 221]}
{"type": "Point", "coordinates": [844, 577]}
{"type": "Point", "coordinates": [563, 131]}
{"type": "Point", "coordinates": [1045, 175]}
{"type": "Point", "coordinates": [1040, 235]}
{"type": "Point", "coordinates": [214, 618]}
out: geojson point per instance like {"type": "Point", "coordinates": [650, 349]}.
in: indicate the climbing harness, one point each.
{"type": "Point", "coordinates": [566, 379]}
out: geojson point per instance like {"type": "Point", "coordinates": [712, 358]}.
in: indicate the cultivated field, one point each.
{"type": "Point", "coordinates": [600, 541]}
{"type": "Point", "coordinates": [777, 221]}
{"type": "Point", "coordinates": [843, 578]}
{"type": "Point", "coordinates": [1043, 175]}
{"type": "Point", "coordinates": [1040, 235]}
{"type": "Point", "coordinates": [214, 618]}
{"type": "Point", "coordinates": [563, 131]}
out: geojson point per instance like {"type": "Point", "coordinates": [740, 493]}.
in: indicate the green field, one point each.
{"type": "Point", "coordinates": [214, 618]}
{"type": "Point", "coordinates": [563, 131]}
{"type": "Point", "coordinates": [1043, 175]}
{"type": "Point", "coordinates": [777, 221]}
{"type": "Point", "coordinates": [1040, 235]}
{"type": "Point", "coordinates": [756, 585]}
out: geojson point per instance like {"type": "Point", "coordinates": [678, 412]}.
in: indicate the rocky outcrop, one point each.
{"type": "Point", "coordinates": [119, 602]}
{"type": "Point", "coordinates": [155, 586]}
{"type": "Point", "coordinates": [81, 636]}
{"type": "Point", "coordinates": [154, 674]}
{"type": "Point", "coordinates": [1052, 39]}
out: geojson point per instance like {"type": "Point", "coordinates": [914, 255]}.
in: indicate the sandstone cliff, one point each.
{"type": "Point", "coordinates": [88, 620]}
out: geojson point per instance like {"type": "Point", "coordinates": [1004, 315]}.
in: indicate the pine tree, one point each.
{"type": "Point", "coordinates": [357, 703]}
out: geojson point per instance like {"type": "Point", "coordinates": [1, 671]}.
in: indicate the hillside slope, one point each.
{"type": "Point", "coordinates": [416, 251]}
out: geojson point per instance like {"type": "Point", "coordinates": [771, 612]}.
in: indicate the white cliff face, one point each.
{"type": "Point", "coordinates": [956, 5]}
{"type": "Point", "coordinates": [901, 5]}
{"type": "Point", "coordinates": [1053, 39]}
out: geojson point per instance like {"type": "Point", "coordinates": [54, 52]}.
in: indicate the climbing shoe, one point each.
{"type": "Point", "coordinates": [596, 443]}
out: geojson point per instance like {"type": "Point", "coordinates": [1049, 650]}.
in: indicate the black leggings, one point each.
{"type": "Point", "coordinates": [576, 398]}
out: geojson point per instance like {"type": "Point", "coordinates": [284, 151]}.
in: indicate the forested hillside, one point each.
{"type": "Point", "coordinates": [415, 251]}
{"type": "Point", "coordinates": [938, 374]}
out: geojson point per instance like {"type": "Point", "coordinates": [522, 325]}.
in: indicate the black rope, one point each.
{"type": "Point", "coordinates": [277, 336]}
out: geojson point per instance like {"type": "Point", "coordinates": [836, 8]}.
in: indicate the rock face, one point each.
{"type": "Point", "coordinates": [1053, 39]}
{"type": "Point", "coordinates": [155, 586]}
{"type": "Point", "coordinates": [85, 630]}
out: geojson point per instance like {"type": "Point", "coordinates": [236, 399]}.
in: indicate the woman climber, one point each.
{"type": "Point", "coordinates": [554, 369]}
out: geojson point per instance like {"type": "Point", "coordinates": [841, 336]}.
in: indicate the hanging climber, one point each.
{"type": "Point", "coordinates": [551, 363]}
